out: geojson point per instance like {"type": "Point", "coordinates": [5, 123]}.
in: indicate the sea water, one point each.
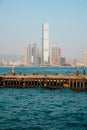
{"type": "Point", "coordinates": [42, 109]}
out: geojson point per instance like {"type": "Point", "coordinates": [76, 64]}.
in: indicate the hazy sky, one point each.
{"type": "Point", "coordinates": [21, 24]}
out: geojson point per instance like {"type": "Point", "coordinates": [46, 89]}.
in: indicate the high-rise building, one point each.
{"type": "Point", "coordinates": [55, 55]}
{"type": "Point", "coordinates": [39, 54]}
{"type": "Point", "coordinates": [85, 58]}
{"type": "Point", "coordinates": [45, 43]}
{"type": "Point", "coordinates": [63, 61]}
{"type": "Point", "coordinates": [59, 56]}
{"type": "Point", "coordinates": [27, 55]}
{"type": "Point", "coordinates": [34, 54]}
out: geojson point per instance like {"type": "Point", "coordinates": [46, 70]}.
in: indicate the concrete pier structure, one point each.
{"type": "Point", "coordinates": [44, 81]}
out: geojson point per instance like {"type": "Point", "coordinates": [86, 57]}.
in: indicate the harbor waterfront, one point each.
{"type": "Point", "coordinates": [39, 108]}
{"type": "Point", "coordinates": [75, 81]}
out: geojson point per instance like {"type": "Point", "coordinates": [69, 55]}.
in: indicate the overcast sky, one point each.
{"type": "Point", "coordinates": [21, 24]}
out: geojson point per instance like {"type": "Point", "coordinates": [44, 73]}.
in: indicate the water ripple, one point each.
{"type": "Point", "coordinates": [42, 109]}
{"type": "Point", "coordinates": [39, 109]}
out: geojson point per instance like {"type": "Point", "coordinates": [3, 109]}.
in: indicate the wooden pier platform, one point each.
{"type": "Point", "coordinates": [77, 82]}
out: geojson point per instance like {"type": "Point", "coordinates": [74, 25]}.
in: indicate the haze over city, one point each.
{"type": "Point", "coordinates": [21, 24]}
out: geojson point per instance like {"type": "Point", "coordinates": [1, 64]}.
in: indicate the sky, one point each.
{"type": "Point", "coordinates": [21, 24]}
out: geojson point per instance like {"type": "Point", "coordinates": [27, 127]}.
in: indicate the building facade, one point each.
{"type": "Point", "coordinates": [45, 43]}
{"type": "Point", "coordinates": [63, 61]}
{"type": "Point", "coordinates": [27, 55]}
{"type": "Point", "coordinates": [55, 55]}
{"type": "Point", "coordinates": [35, 54]}
{"type": "Point", "coordinates": [32, 56]}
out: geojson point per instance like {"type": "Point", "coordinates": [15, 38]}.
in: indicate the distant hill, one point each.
{"type": "Point", "coordinates": [11, 57]}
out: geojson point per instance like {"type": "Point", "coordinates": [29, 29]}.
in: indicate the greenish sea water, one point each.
{"type": "Point", "coordinates": [42, 109]}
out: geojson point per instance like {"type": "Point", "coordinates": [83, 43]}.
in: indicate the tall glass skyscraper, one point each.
{"type": "Point", "coordinates": [45, 43]}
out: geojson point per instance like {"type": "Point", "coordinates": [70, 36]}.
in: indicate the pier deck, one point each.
{"type": "Point", "coordinates": [44, 81]}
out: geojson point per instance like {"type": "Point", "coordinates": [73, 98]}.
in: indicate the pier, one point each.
{"type": "Point", "coordinates": [77, 82]}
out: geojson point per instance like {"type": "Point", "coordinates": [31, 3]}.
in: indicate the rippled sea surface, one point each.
{"type": "Point", "coordinates": [42, 109]}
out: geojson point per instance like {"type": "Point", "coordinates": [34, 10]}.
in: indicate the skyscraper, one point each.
{"type": "Point", "coordinates": [55, 55]}
{"type": "Point", "coordinates": [59, 56]}
{"type": "Point", "coordinates": [45, 43]}
{"type": "Point", "coordinates": [34, 54]}
{"type": "Point", "coordinates": [27, 55]}
{"type": "Point", "coordinates": [26, 64]}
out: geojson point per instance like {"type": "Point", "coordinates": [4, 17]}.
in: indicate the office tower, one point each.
{"type": "Point", "coordinates": [26, 64]}
{"type": "Point", "coordinates": [63, 61]}
{"type": "Point", "coordinates": [55, 55]}
{"type": "Point", "coordinates": [39, 56]}
{"type": "Point", "coordinates": [45, 43]}
{"type": "Point", "coordinates": [34, 54]}
{"type": "Point", "coordinates": [85, 58]}
{"type": "Point", "coordinates": [59, 56]}
{"type": "Point", "coordinates": [27, 55]}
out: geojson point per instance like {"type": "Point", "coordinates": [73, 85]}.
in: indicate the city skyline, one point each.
{"type": "Point", "coordinates": [20, 24]}
{"type": "Point", "coordinates": [48, 56]}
